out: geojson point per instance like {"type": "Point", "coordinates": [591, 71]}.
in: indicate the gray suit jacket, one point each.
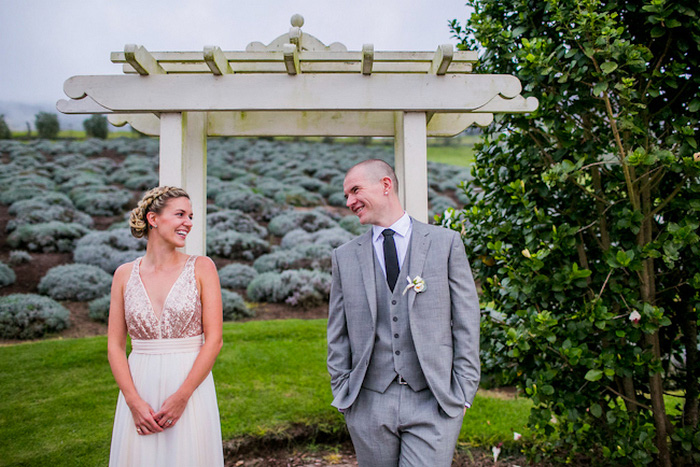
{"type": "Point", "coordinates": [444, 318]}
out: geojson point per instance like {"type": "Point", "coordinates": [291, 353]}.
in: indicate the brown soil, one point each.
{"type": "Point", "coordinates": [343, 455]}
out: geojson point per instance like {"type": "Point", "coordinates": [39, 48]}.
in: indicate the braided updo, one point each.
{"type": "Point", "coordinates": [154, 200]}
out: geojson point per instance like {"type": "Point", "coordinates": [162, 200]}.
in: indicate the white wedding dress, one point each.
{"type": "Point", "coordinates": [163, 351]}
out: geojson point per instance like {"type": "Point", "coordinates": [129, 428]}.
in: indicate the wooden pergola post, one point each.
{"type": "Point", "coordinates": [183, 163]}
{"type": "Point", "coordinates": [410, 162]}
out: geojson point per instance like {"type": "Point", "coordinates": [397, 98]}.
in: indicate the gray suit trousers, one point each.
{"type": "Point", "coordinates": [402, 428]}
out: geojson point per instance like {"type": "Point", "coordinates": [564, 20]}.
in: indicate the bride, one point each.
{"type": "Point", "coordinates": [169, 303]}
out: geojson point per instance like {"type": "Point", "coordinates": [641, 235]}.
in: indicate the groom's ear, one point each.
{"type": "Point", "coordinates": [387, 184]}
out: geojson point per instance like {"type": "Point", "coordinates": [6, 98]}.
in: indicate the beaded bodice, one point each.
{"type": "Point", "coordinates": [182, 310]}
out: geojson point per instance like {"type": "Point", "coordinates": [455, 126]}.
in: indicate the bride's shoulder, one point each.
{"type": "Point", "coordinates": [124, 271]}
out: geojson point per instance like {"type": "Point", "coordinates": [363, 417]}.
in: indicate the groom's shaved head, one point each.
{"type": "Point", "coordinates": [376, 169]}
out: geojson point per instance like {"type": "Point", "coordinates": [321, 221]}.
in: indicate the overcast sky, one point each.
{"type": "Point", "coordinates": [44, 42]}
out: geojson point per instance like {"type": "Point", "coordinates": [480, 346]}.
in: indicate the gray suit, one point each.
{"type": "Point", "coordinates": [443, 322]}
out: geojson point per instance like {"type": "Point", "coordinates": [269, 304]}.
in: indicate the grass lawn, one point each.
{"type": "Point", "coordinates": [454, 155]}
{"type": "Point", "coordinates": [57, 397]}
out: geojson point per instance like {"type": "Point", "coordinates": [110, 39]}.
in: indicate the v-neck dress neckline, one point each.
{"type": "Point", "coordinates": [180, 316]}
{"type": "Point", "coordinates": [159, 316]}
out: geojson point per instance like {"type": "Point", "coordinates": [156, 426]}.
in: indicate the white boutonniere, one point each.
{"type": "Point", "coordinates": [417, 284]}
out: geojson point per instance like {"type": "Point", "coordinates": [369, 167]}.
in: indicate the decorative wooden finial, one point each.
{"type": "Point", "coordinates": [297, 20]}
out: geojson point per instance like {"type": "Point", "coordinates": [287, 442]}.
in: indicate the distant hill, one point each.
{"type": "Point", "coordinates": [17, 114]}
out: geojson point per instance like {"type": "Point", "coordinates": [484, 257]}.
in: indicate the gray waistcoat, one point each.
{"type": "Point", "coordinates": [394, 351]}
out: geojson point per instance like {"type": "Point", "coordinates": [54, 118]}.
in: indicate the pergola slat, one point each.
{"type": "Point", "coordinates": [141, 60]}
{"type": "Point", "coordinates": [367, 58]}
{"type": "Point", "coordinates": [441, 59]}
{"type": "Point", "coordinates": [216, 61]}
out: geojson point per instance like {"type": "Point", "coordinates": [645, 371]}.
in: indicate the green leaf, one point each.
{"type": "Point", "coordinates": [624, 257]}
{"type": "Point", "coordinates": [593, 375]}
{"type": "Point", "coordinates": [599, 88]}
{"type": "Point", "coordinates": [657, 31]}
{"type": "Point", "coordinates": [608, 67]}
{"type": "Point", "coordinates": [694, 105]}
{"type": "Point", "coordinates": [596, 410]}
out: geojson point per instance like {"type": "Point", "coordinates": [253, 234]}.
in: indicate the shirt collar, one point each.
{"type": "Point", "coordinates": [401, 227]}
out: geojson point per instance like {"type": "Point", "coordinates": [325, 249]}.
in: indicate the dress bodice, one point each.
{"type": "Point", "coordinates": [182, 310]}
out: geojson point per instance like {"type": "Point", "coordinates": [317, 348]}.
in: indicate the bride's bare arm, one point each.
{"type": "Point", "coordinates": [116, 353]}
{"type": "Point", "coordinates": [212, 320]}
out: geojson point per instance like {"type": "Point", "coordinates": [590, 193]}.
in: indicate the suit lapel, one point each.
{"type": "Point", "coordinates": [365, 258]}
{"type": "Point", "coordinates": [420, 243]}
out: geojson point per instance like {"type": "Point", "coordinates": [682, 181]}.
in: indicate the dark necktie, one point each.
{"type": "Point", "coordinates": [391, 261]}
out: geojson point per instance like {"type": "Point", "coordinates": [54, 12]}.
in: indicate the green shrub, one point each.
{"type": "Point", "coordinates": [81, 179]}
{"type": "Point", "coordinates": [96, 126]}
{"type": "Point", "coordinates": [109, 249]}
{"type": "Point", "coordinates": [142, 182]}
{"type": "Point", "coordinates": [333, 238]}
{"type": "Point", "coordinates": [101, 200]}
{"type": "Point", "coordinates": [77, 282]}
{"type": "Point", "coordinates": [42, 214]}
{"type": "Point", "coordinates": [300, 288]}
{"type": "Point", "coordinates": [29, 316]}
{"type": "Point", "coordinates": [352, 224]}
{"type": "Point", "coordinates": [5, 132]}
{"type": "Point", "coordinates": [234, 245]}
{"type": "Point", "coordinates": [254, 204]}
{"type": "Point", "coordinates": [307, 220]}
{"type": "Point", "coordinates": [19, 186]}
{"type": "Point", "coordinates": [234, 308]}
{"type": "Point", "coordinates": [42, 200]}
{"type": "Point", "coordinates": [233, 219]}
{"type": "Point", "coordinates": [47, 237]}
{"type": "Point", "coordinates": [19, 257]}
{"type": "Point", "coordinates": [7, 275]}
{"type": "Point", "coordinates": [47, 125]}
{"type": "Point", "coordinates": [584, 235]}
{"type": "Point", "coordinates": [236, 275]}
{"type": "Point", "coordinates": [303, 256]}
{"type": "Point", "coordinates": [298, 196]}
{"type": "Point", "coordinates": [98, 309]}
{"type": "Point", "coordinates": [337, 199]}
{"type": "Point", "coordinates": [439, 204]}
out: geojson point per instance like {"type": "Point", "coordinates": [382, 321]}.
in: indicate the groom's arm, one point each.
{"type": "Point", "coordinates": [465, 320]}
{"type": "Point", "coordinates": [339, 357]}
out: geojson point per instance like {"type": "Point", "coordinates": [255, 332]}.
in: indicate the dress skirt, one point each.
{"type": "Point", "coordinates": [158, 368]}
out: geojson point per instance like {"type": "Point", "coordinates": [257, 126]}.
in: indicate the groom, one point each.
{"type": "Point", "coordinates": [403, 329]}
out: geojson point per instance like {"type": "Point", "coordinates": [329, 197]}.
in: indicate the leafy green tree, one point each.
{"type": "Point", "coordinates": [96, 126]}
{"type": "Point", "coordinates": [583, 222]}
{"type": "Point", "coordinates": [5, 132]}
{"type": "Point", "coordinates": [47, 125]}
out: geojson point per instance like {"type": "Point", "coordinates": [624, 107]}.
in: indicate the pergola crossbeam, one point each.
{"type": "Point", "coordinates": [306, 92]}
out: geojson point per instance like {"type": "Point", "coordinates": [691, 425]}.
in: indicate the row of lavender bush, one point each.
{"type": "Point", "coordinates": [270, 218]}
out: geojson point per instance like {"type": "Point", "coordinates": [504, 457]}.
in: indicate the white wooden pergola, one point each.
{"type": "Point", "coordinates": [295, 86]}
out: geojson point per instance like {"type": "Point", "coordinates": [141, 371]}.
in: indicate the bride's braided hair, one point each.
{"type": "Point", "coordinates": [154, 200]}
